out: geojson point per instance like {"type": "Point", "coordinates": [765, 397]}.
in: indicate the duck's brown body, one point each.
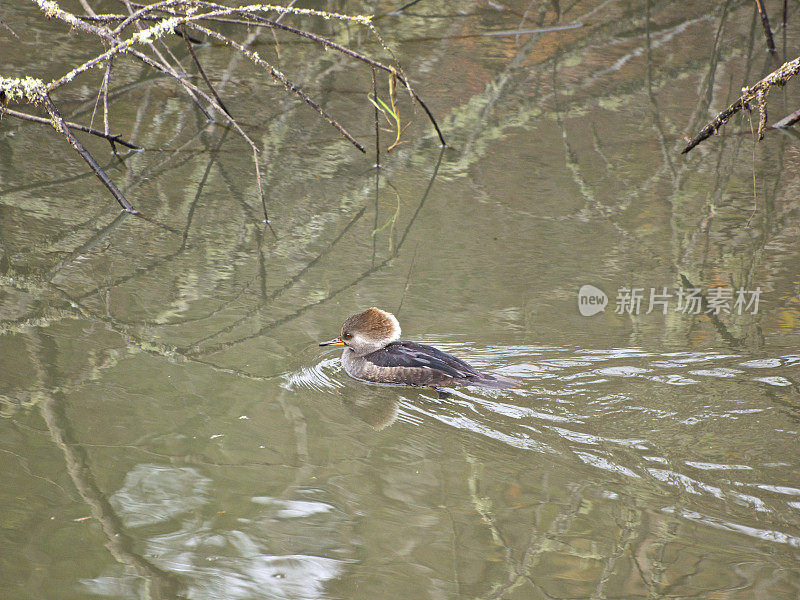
{"type": "Point", "coordinates": [374, 354]}
{"type": "Point", "coordinates": [409, 363]}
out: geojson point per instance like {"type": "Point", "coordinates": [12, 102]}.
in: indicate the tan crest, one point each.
{"type": "Point", "coordinates": [373, 323]}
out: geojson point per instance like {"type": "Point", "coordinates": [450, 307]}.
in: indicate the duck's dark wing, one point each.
{"type": "Point", "coordinates": [413, 355]}
{"type": "Point", "coordinates": [419, 364]}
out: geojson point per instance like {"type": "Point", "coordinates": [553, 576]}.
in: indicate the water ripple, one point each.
{"type": "Point", "coordinates": [318, 377]}
{"type": "Point", "coordinates": [769, 535]}
{"type": "Point", "coordinates": [625, 412]}
{"type": "Point", "coordinates": [657, 421]}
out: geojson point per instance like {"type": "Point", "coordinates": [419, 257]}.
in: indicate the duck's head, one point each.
{"type": "Point", "coordinates": [367, 332]}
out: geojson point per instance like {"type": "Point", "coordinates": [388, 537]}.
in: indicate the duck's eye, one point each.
{"type": "Point", "coordinates": [347, 336]}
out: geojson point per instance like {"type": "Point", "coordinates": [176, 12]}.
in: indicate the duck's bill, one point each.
{"type": "Point", "coordinates": [333, 342]}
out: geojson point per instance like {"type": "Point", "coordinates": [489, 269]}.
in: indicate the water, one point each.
{"type": "Point", "coordinates": [170, 427]}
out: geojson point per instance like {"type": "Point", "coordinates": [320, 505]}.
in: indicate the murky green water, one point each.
{"type": "Point", "coordinates": [170, 427]}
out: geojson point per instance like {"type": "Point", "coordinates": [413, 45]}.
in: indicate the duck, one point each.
{"type": "Point", "coordinates": [375, 353]}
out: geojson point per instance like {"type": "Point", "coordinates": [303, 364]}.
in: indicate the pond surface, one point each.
{"type": "Point", "coordinates": [170, 427]}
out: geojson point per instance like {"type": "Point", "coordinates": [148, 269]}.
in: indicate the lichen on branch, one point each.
{"type": "Point", "coordinates": [27, 89]}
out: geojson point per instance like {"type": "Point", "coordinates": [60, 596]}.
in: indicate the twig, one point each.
{"type": "Point", "coordinates": [87, 8]}
{"type": "Point", "coordinates": [408, 279]}
{"type": "Point", "coordinates": [163, 60]}
{"type": "Point", "coordinates": [788, 120]}
{"type": "Point", "coordinates": [161, 42]}
{"type": "Point", "coordinates": [200, 69]}
{"type": "Point", "coordinates": [280, 77]}
{"type": "Point", "coordinates": [262, 21]}
{"type": "Point", "coordinates": [400, 76]}
{"type": "Point", "coordinates": [116, 47]}
{"type": "Point", "coordinates": [261, 192]}
{"type": "Point", "coordinates": [110, 137]}
{"type": "Point", "coordinates": [221, 9]}
{"type": "Point", "coordinates": [757, 92]}
{"type": "Point", "coordinates": [515, 32]}
{"type": "Point", "coordinates": [61, 126]}
{"type": "Point", "coordinates": [753, 165]}
{"type": "Point", "coordinates": [176, 16]}
{"type": "Point", "coordinates": [52, 10]}
{"type": "Point", "coordinates": [762, 12]}
{"type": "Point", "coordinates": [104, 90]}
{"type": "Point", "coordinates": [9, 29]}
{"type": "Point", "coordinates": [761, 98]}
{"type": "Point", "coordinates": [377, 127]}
{"type": "Point", "coordinates": [283, 14]}
{"type": "Point", "coordinates": [161, 66]}
{"type": "Point", "coordinates": [192, 88]}
{"type": "Point", "coordinates": [143, 10]}
{"type": "Point", "coordinates": [110, 18]}
{"type": "Point", "coordinates": [397, 11]}
{"type": "Point", "coordinates": [424, 107]}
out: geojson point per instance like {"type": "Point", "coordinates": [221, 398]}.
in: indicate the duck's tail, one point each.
{"type": "Point", "coordinates": [495, 382]}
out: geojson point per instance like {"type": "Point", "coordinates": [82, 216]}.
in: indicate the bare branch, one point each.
{"type": "Point", "coordinates": [264, 22]}
{"type": "Point", "coordinates": [109, 136]}
{"type": "Point", "coordinates": [280, 77]}
{"type": "Point", "coordinates": [762, 12]}
{"type": "Point", "coordinates": [61, 126]}
{"type": "Point", "coordinates": [4, 26]}
{"type": "Point", "coordinates": [788, 120]}
{"type": "Point", "coordinates": [758, 92]}
{"type": "Point", "coordinates": [188, 40]}
{"type": "Point", "coordinates": [169, 17]}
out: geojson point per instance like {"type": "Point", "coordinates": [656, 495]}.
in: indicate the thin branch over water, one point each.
{"type": "Point", "coordinates": [757, 93]}
{"type": "Point", "coordinates": [152, 23]}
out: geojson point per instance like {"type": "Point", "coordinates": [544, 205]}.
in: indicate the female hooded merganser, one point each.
{"type": "Point", "coordinates": [373, 353]}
